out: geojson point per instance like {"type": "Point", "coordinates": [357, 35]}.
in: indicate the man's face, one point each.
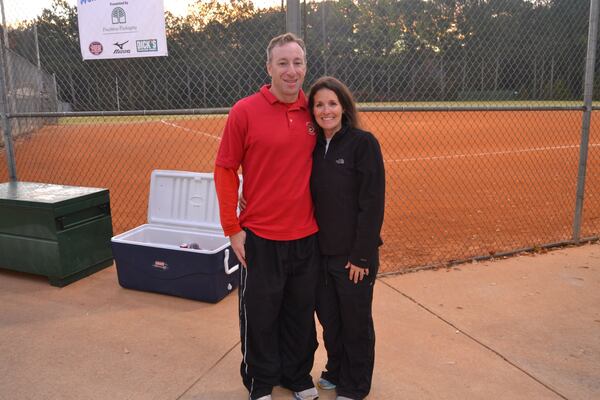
{"type": "Point", "coordinates": [287, 69]}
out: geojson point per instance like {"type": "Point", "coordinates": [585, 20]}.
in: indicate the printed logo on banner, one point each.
{"type": "Point", "coordinates": [118, 16]}
{"type": "Point", "coordinates": [146, 45]}
{"type": "Point", "coordinates": [96, 48]}
{"type": "Point", "coordinates": [120, 49]}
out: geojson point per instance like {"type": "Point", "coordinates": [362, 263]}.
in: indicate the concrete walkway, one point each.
{"type": "Point", "coordinates": [522, 328]}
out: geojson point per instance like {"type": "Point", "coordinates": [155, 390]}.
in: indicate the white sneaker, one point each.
{"type": "Point", "coordinates": [267, 397]}
{"type": "Point", "coordinates": [308, 394]}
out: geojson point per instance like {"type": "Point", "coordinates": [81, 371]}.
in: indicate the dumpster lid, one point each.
{"type": "Point", "coordinates": [181, 198]}
{"type": "Point", "coordinates": [44, 194]}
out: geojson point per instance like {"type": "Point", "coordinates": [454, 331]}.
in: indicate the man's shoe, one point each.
{"type": "Point", "coordinates": [308, 394]}
{"type": "Point", "coordinates": [325, 384]}
{"type": "Point", "coordinates": [267, 397]}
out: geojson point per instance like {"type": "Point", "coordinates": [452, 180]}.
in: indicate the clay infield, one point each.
{"type": "Point", "coordinates": [459, 184]}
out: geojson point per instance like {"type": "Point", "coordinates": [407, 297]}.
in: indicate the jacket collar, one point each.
{"type": "Point", "coordinates": [338, 135]}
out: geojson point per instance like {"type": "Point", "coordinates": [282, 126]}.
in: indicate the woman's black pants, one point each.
{"type": "Point", "coordinates": [344, 309]}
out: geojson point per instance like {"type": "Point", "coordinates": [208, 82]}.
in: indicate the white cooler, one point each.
{"type": "Point", "coordinates": [181, 251]}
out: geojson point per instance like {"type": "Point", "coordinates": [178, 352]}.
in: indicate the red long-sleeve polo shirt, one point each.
{"type": "Point", "coordinates": [273, 143]}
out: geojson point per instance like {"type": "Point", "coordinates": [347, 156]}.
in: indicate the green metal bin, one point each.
{"type": "Point", "coordinates": [62, 232]}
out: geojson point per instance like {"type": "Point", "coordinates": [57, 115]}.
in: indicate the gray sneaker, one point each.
{"type": "Point", "coordinates": [325, 384]}
{"type": "Point", "coordinates": [308, 394]}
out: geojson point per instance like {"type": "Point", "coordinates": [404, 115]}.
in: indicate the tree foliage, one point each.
{"type": "Point", "coordinates": [385, 50]}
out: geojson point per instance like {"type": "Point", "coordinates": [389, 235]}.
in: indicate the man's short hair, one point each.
{"type": "Point", "coordinates": [284, 39]}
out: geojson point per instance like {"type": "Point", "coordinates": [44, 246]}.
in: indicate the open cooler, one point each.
{"type": "Point", "coordinates": [181, 251]}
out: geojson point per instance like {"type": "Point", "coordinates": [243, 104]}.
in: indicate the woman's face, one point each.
{"type": "Point", "coordinates": [327, 111]}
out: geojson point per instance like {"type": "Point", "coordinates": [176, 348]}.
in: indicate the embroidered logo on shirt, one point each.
{"type": "Point", "coordinates": [339, 161]}
{"type": "Point", "coordinates": [310, 129]}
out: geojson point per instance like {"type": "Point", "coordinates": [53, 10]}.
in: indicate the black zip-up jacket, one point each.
{"type": "Point", "coordinates": [348, 190]}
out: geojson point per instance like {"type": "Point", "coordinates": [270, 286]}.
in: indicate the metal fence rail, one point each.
{"type": "Point", "coordinates": [479, 107]}
{"type": "Point", "coordinates": [31, 90]}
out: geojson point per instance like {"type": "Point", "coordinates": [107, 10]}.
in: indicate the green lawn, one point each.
{"type": "Point", "coordinates": [419, 104]}
{"type": "Point", "coordinates": [120, 119]}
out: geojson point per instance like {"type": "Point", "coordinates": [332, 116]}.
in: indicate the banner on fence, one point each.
{"type": "Point", "coordinates": [121, 28]}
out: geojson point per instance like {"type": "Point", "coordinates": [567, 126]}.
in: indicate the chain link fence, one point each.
{"type": "Point", "coordinates": [478, 106]}
{"type": "Point", "coordinates": [31, 90]}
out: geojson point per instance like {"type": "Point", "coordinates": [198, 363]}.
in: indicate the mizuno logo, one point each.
{"type": "Point", "coordinates": [120, 45]}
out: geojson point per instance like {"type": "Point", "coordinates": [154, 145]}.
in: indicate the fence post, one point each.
{"type": "Point", "coordinates": [587, 115]}
{"type": "Point", "coordinates": [117, 90]}
{"type": "Point", "coordinates": [324, 34]}
{"type": "Point", "coordinates": [292, 17]}
{"type": "Point", "coordinates": [4, 98]}
{"type": "Point", "coordinates": [55, 92]}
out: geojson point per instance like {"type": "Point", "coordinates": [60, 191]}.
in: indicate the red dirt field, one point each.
{"type": "Point", "coordinates": [459, 184]}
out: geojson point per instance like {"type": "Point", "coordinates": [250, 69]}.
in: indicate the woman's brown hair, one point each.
{"type": "Point", "coordinates": [350, 115]}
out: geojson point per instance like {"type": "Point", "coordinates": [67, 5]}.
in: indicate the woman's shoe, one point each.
{"type": "Point", "coordinates": [308, 394]}
{"type": "Point", "coordinates": [325, 384]}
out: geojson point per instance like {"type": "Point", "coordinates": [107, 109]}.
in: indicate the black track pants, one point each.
{"type": "Point", "coordinates": [277, 296]}
{"type": "Point", "coordinates": [344, 310]}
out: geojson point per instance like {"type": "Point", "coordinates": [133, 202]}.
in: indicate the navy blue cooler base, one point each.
{"type": "Point", "coordinates": [183, 273]}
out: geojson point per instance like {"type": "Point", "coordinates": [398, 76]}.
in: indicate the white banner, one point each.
{"type": "Point", "coordinates": [121, 28]}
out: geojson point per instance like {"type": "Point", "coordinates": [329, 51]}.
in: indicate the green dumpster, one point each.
{"type": "Point", "coordinates": [61, 232]}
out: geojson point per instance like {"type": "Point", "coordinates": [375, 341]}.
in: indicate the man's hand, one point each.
{"type": "Point", "coordinates": [238, 241]}
{"type": "Point", "coordinates": [356, 273]}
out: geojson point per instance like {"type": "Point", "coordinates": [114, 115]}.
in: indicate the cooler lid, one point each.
{"type": "Point", "coordinates": [181, 198]}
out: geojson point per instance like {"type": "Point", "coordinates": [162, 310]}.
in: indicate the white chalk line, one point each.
{"type": "Point", "coordinates": [486, 154]}
{"type": "Point", "coordinates": [190, 130]}
{"type": "Point", "coordinates": [432, 158]}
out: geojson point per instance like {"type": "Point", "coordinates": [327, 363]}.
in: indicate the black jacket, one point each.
{"type": "Point", "coordinates": [348, 189]}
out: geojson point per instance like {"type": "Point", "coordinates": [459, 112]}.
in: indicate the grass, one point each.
{"type": "Point", "coordinates": [511, 103]}
{"type": "Point", "coordinates": [119, 119]}
{"type": "Point", "coordinates": [432, 104]}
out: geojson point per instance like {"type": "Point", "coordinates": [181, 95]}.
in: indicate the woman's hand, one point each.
{"type": "Point", "coordinates": [356, 273]}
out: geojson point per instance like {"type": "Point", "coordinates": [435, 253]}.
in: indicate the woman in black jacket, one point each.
{"type": "Point", "coordinates": [348, 189]}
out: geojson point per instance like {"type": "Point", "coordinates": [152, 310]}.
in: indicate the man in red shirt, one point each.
{"type": "Point", "coordinates": [270, 135]}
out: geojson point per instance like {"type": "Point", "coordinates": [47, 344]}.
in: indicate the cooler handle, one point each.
{"type": "Point", "coordinates": [228, 270]}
